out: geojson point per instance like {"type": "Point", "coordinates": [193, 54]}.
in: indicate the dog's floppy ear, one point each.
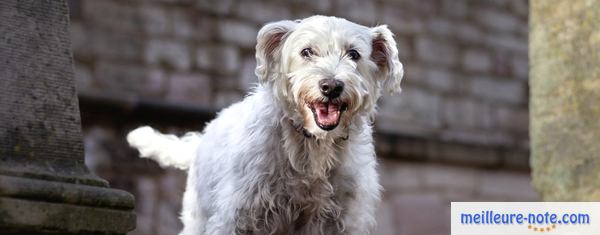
{"type": "Point", "coordinates": [268, 47]}
{"type": "Point", "coordinates": [385, 55]}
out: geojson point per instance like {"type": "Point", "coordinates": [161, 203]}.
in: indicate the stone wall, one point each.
{"type": "Point", "coordinates": [466, 61]}
{"type": "Point", "coordinates": [565, 78]}
{"type": "Point", "coordinates": [416, 199]}
{"type": "Point", "coordinates": [463, 106]}
{"type": "Point", "coordinates": [45, 187]}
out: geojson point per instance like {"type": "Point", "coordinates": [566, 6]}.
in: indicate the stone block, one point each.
{"type": "Point", "coordinates": [74, 8]}
{"type": "Point", "coordinates": [523, 31]}
{"type": "Point", "coordinates": [129, 80]}
{"type": "Point", "coordinates": [155, 20]}
{"type": "Point", "coordinates": [405, 51]}
{"type": "Point", "coordinates": [97, 157]}
{"type": "Point", "coordinates": [413, 107]}
{"type": "Point", "coordinates": [467, 113]}
{"type": "Point", "coordinates": [456, 9]}
{"type": "Point", "coordinates": [470, 33]}
{"type": "Point", "coordinates": [520, 67]}
{"type": "Point", "coordinates": [186, 2]}
{"type": "Point", "coordinates": [413, 146]}
{"type": "Point", "coordinates": [247, 77]}
{"type": "Point", "coordinates": [397, 177]}
{"type": "Point", "coordinates": [146, 205]}
{"type": "Point", "coordinates": [436, 52]}
{"type": "Point", "coordinates": [240, 33]}
{"type": "Point", "coordinates": [168, 219]}
{"type": "Point", "coordinates": [417, 7]}
{"type": "Point", "coordinates": [172, 185]}
{"type": "Point", "coordinates": [401, 21]}
{"type": "Point", "coordinates": [516, 158]}
{"type": "Point", "coordinates": [460, 196]}
{"type": "Point", "coordinates": [515, 120]}
{"type": "Point", "coordinates": [173, 54]}
{"type": "Point", "coordinates": [314, 6]}
{"type": "Point", "coordinates": [112, 14]}
{"type": "Point", "coordinates": [466, 154]}
{"type": "Point", "coordinates": [476, 137]}
{"type": "Point", "coordinates": [507, 186]}
{"type": "Point", "coordinates": [221, 7]}
{"type": "Point", "coordinates": [90, 43]}
{"type": "Point", "coordinates": [182, 24]}
{"type": "Point", "coordinates": [190, 89]}
{"type": "Point", "coordinates": [363, 12]}
{"type": "Point", "coordinates": [117, 46]}
{"type": "Point", "coordinates": [449, 178]}
{"type": "Point", "coordinates": [416, 211]}
{"type": "Point", "coordinates": [227, 82]}
{"type": "Point", "coordinates": [477, 61]}
{"type": "Point", "coordinates": [498, 3]}
{"type": "Point", "coordinates": [223, 59]}
{"type": "Point", "coordinates": [521, 7]}
{"type": "Point", "coordinates": [502, 63]}
{"type": "Point", "coordinates": [414, 73]}
{"type": "Point", "coordinates": [80, 40]}
{"type": "Point", "coordinates": [188, 25]}
{"type": "Point", "coordinates": [440, 79]}
{"type": "Point", "coordinates": [83, 77]}
{"type": "Point", "coordinates": [499, 90]}
{"type": "Point", "coordinates": [384, 217]}
{"type": "Point", "coordinates": [261, 13]}
{"type": "Point", "coordinates": [225, 98]}
{"type": "Point", "coordinates": [144, 225]}
{"type": "Point", "coordinates": [497, 20]}
{"type": "Point", "coordinates": [507, 42]}
{"type": "Point", "coordinates": [441, 27]}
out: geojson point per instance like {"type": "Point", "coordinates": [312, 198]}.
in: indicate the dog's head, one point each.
{"type": "Point", "coordinates": [326, 70]}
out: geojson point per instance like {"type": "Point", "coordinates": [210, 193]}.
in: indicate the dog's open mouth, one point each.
{"type": "Point", "coordinates": [327, 114]}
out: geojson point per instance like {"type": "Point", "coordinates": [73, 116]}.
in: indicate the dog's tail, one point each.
{"type": "Point", "coordinates": [167, 150]}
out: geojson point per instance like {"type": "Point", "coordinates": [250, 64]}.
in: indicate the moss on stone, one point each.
{"type": "Point", "coordinates": [565, 91]}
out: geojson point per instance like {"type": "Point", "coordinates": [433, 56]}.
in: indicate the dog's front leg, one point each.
{"type": "Point", "coordinates": [359, 216]}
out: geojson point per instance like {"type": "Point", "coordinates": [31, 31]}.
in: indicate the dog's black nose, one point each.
{"type": "Point", "coordinates": [331, 88]}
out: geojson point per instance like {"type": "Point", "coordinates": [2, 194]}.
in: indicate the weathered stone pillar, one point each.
{"type": "Point", "coordinates": [45, 187]}
{"type": "Point", "coordinates": [565, 99]}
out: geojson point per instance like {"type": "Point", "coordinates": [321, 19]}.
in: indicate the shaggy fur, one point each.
{"type": "Point", "coordinates": [266, 165]}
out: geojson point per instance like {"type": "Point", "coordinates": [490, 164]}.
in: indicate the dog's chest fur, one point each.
{"type": "Point", "coordinates": [302, 191]}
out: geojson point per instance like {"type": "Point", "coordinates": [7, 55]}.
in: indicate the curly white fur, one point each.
{"type": "Point", "coordinates": [167, 150]}
{"type": "Point", "coordinates": [264, 166]}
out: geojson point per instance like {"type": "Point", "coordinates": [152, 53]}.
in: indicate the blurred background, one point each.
{"type": "Point", "coordinates": [458, 131]}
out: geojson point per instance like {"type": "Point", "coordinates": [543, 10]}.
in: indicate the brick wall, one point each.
{"type": "Point", "coordinates": [463, 106]}
{"type": "Point", "coordinates": [466, 61]}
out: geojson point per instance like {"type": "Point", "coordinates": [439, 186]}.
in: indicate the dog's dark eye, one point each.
{"type": "Point", "coordinates": [307, 52]}
{"type": "Point", "coordinates": [353, 55]}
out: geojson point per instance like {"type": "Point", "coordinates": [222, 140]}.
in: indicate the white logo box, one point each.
{"type": "Point", "coordinates": [501, 218]}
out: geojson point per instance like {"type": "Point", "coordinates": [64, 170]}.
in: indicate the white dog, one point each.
{"type": "Point", "coordinates": [295, 156]}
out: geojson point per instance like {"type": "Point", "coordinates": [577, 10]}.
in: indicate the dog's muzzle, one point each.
{"type": "Point", "coordinates": [327, 114]}
{"type": "Point", "coordinates": [328, 111]}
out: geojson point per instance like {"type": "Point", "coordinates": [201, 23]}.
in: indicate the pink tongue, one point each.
{"type": "Point", "coordinates": [327, 113]}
